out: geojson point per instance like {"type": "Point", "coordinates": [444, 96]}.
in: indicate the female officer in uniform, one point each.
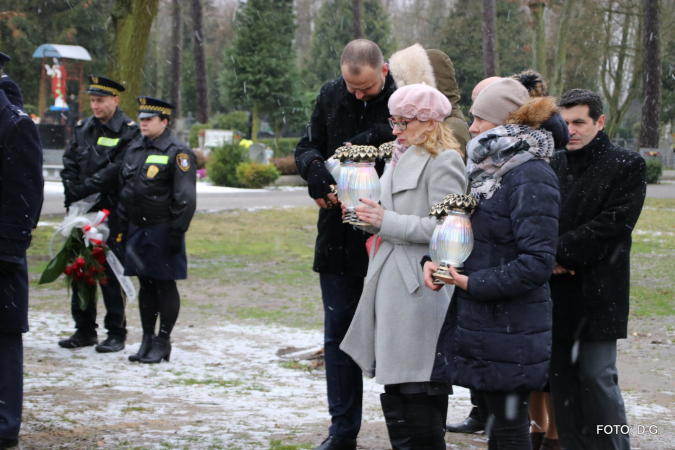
{"type": "Point", "coordinates": [157, 201]}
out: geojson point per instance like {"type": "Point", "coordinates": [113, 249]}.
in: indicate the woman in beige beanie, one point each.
{"type": "Point", "coordinates": [498, 327]}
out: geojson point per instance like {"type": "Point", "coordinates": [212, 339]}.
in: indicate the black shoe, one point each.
{"type": "Point", "coordinates": [161, 349]}
{"type": "Point", "coordinates": [468, 426]}
{"type": "Point", "coordinates": [110, 345]}
{"type": "Point", "coordinates": [146, 345]}
{"type": "Point", "coordinates": [337, 443]}
{"type": "Point", "coordinates": [8, 443]}
{"type": "Point", "coordinates": [77, 341]}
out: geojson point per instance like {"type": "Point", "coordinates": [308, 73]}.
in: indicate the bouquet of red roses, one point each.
{"type": "Point", "coordinates": [82, 256]}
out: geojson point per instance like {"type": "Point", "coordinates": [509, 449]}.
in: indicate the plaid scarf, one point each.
{"type": "Point", "coordinates": [399, 150]}
{"type": "Point", "coordinates": [493, 153]}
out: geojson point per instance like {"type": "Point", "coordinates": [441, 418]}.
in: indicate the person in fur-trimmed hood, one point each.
{"type": "Point", "coordinates": [414, 65]}
{"type": "Point", "coordinates": [496, 338]}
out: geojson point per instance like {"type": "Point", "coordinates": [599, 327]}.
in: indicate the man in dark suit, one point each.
{"type": "Point", "coordinates": [21, 194]}
{"type": "Point", "coordinates": [602, 188]}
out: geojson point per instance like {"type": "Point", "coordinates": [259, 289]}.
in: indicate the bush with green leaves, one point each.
{"type": "Point", "coordinates": [654, 171]}
{"type": "Point", "coordinates": [223, 162]}
{"type": "Point", "coordinates": [256, 175]}
{"type": "Point", "coordinates": [236, 121]}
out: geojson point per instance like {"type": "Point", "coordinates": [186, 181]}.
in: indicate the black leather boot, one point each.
{"type": "Point", "coordinates": [161, 349]}
{"type": "Point", "coordinates": [427, 422]}
{"type": "Point", "coordinates": [110, 345]}
{"type": "Point", "coordinates": [393, 408]}
{"type": "Point", "coordinates": [77, 340]}
{"type": "Point", "coordinates": [146, 345]}
{"type": "Point", "coordinates": [337, 443]}
{"type": "Point", "coordinates": [8, 443]}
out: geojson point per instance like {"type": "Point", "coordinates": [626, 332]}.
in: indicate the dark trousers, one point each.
{"type": "Point", "coordinates": [506, 418]}
{"type": "Point", "coordinates": [585, 391]}
{"type": "Point", "coordinates": [11, 384]}
{"type": "Point", "coordinates": [341, 294]}
{"type": "Point", "coordinates": [115, 321]}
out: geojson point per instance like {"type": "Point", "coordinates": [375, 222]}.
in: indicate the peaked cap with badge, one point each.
{"type": "Point", "coordinates": [3, 59]}
{"type": "Point", "coordinates": [104, 86]}
{"type": "Point", "coordinates": [150, 107]}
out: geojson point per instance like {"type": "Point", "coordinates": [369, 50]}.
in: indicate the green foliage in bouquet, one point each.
{"type": "Point", "coordinates": [82, 265]}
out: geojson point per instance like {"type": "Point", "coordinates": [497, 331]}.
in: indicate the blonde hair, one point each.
{"type": "Point", "coordinates": [440, 137]}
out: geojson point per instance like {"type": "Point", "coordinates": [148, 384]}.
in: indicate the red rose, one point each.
{"type": "Point", "coordinates": [93, 270]}
{"type": "Point", "coordinates": [68, 270]}
{"type": "Point", "coordinates": [104, 281]}
{"type": "Point", "coordinates": [89, 281]}
{"type": "Point", "coordinates": [79, 262]}
{"type": "Point", "coordinates": [97, 250]}
{"type": "Point", "coordinates": [100, 258]}
{"type": "Point", "coordinates": [78, 275]}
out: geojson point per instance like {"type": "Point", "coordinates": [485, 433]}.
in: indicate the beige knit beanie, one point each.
{"type": "Point", "coordinates": [499, 99]}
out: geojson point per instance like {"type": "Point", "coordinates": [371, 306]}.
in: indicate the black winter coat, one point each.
{"type": "Point", "coordinates": [603, 189]}
{"type": "Point", "coordinates": [339, 117]}
{"type": "Point", "coordinates": [21, 193]}
{"type": "Point", "coordinates": [497, 336]}
{"type": "Point", "coordinates": [158, 184]}
{"type": "Point", "coordinates": [93, 158]}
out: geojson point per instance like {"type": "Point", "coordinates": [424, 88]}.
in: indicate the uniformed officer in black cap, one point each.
{"type": "Point", "coordinates": [92, 163]}
{"type": "Point", "coordinates": [8, 85]}
{"type": "Point", "coordinates": [158, 198]}
{"type": "Point", "coordinates": [21, 192]}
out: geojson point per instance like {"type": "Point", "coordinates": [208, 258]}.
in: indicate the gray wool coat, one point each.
{"type": "Point", "coordinates": [398, 320]}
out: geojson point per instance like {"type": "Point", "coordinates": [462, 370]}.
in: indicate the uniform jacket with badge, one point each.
{"type": "Point", "coordinates": [603, 189]}
{"type": "Point", "coordinates": [21, 195]}
{"type": "Point", "coordinates": [396, 326]}
{"type": "Point", "coordinates": [93, 158]}
{"type": "Point", "coordinates": [339, 117]}
{"type": "Point", "coordinates": [158, 184]}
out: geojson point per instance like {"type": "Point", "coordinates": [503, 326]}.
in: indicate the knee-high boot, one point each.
{"type": "Point", "coordinates": [427, 422]}
{"type": "Point", "coordinates": [394, 411]}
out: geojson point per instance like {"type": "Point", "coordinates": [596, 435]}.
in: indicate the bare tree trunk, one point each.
{"type": "Point", "coordinates": [538, 8]}
{"type": "Point", "coordinates": [255, 123]}
{"type": "Point", "coordinates": [131, 22]}
{"type": "Point", "coordinates": [614, 66]}
{"type": "Point", "coordinates": [176, 72]}
{"type": "Point", "coordinates": [560, 58]}
{"type": "Point", "coordinates": [490, 57]}
{"type": "Point", "coordinates": [201, 86]}
{"type": "Point", "coordinates": [651, 76]}
{"type": "Point", "coordinates": [356, 10]}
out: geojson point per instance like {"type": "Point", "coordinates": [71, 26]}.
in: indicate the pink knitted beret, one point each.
{"type": "Point", "coordinates": [421, 102]}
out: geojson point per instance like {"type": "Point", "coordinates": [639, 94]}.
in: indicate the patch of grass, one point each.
{"type": "Point", "coordinates": [646, 301]}
{"type": "Point", "coordinates": [128, 409]}
{"type": "Point", "coordinates": [277, 444]}
{"type": "Point", "coordinates": [652, 262]}
{"type": "Point", "coordinates": [296, 365]}
{"type": "Point", "coordinates": [219, 382]}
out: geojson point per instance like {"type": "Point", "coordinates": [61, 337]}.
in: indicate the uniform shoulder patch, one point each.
{"type": "Point", "coordinates": [183, 161]}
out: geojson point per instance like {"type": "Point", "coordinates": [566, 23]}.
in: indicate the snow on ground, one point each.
{"type": "Point", "coordinates": [56, 187]}
{"type": "Point", "coordinates": [225, 381]}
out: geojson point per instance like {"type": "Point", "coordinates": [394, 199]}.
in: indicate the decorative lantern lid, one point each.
{"type": "Point", "coordinates": [342, 154]}
{"type": "Point", "coordinates": [387, 150]}
{"type": "Point", "coordinates": [363, 153]}
{"type": "Point", "coordinates": [461, 202]}
{"type": "Point", "coordinates": [439, 210]}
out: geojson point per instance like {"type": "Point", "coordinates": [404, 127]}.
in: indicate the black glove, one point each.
{"type": "Point", "coordinates": [175, 243]}
{"type": "Point", "coordinates": [319, 180]}
{"type": "Point", "coordinates": [73, 192]}
{"type": "Point", "coordinates": [9, 268]}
